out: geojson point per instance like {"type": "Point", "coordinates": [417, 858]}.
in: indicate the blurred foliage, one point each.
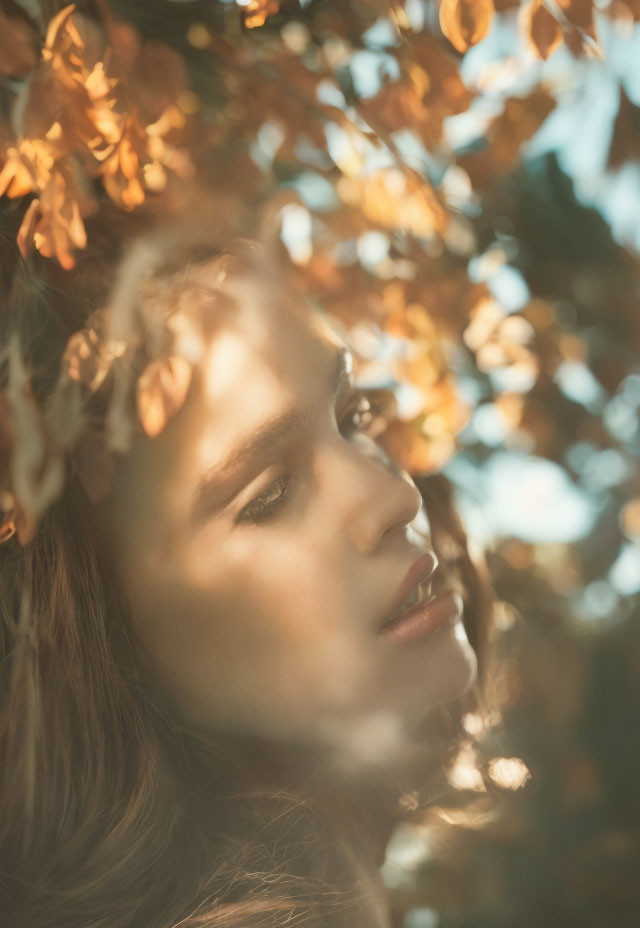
{"type": "Point", "coordinates": [560, 845]}
{"type": "Point", "coordinates": [493, 311]}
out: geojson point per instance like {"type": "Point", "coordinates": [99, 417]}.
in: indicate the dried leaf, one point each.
{"type": "Point", "coordinates": [161, 391]}
{"type": "Point", "coordinates": [83, 360]}
{"type": "Point", "coordinates": [27, 226]}
{"type": "Point", "coordinates": [519, 121]}
{"type": "Point", "coordinates": [17, 53]}
{"type": "Point", "coordinates": [580, 14]}
{"type": "Point", "coordinates": [625, 138]}
{"type": "Point", "coordinates": [630, 518]}
{"type": "Point", "coordinates": [429, 91]}
{"type": "Point", "coordinates": [55, 30]}
{"type": "Point", "coordinates": [59, 91]}
{"type": "Point", "coordinates": [445, 412]}
{"type": "Point", "coordinates": [540, 29]}
{"type": "Point", "coordinates": [257, 11]}
{"type": "Point", "coordinates": [389, 198]}
{"type": "Point", "coordinates": [160, 78]}
{"type": "Point", "coordinates": [16, 179]}
{"type": "Point", "coordinates": [417, 454]}
{"type": "Point", "coordinates": [123, 169]}
{"type": "Point", "coordinates": [57, 221]}
{"type": "Point", "coordinates": [632, 5]}
{"type": "Point", "coordinates": [465, 22]}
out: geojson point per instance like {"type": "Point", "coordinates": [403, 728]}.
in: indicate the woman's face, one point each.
{"type": "Point", "coordinates": [263, 537]}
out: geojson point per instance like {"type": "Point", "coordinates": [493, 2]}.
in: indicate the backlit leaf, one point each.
{"type": "Point", "coordinates": [17, 54]}
{"type": "Point", "coordinates": [580, 14]}
{"type": "Point", "coordinates": [625, 138]}
{"type": "Point", "coordinates": [161, 391]}
{"type": "Point", "coordinates": [465, 22]}
{"type": "Point", "coordinates": [257, 11]}
{"type": "Point", "coordinates": [540, 29]}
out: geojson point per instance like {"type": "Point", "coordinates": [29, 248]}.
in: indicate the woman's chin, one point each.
{"type": "Point", "coordinates": [461, 668]}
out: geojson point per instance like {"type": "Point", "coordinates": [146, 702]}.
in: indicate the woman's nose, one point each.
{"type": "Point", "coordinates": [378, 499]}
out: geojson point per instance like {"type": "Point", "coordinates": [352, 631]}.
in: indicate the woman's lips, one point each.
{"type": "Point", "coordinates": [419, 573]}
{"type": "Point", "coordinates": [425, 618]}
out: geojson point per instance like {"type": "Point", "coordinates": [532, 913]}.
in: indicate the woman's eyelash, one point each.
{"type": "Point", "coordinates": [263, 505]}
{"type": "Point", "coordinates": [362, 409]}
{"type": "Point", "coordinates": [357, 418]}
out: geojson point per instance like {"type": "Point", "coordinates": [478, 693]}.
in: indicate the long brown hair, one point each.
{"type": "Point", "coordinates": [112, 814]}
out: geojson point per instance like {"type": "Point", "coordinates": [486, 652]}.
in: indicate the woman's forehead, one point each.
{"type": "Point", "coordinates": [263, 331]}
{"type": "Point", "coordinates": [263, 350]}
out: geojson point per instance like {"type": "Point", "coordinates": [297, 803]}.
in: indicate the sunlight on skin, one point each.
{"type": "Point", "coordinates": [271, 627]}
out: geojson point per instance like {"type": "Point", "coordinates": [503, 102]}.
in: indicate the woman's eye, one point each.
{"type": "Point", "coordinates": [266, 503]}
{"type": "Point", "coordinates": [358, 417]}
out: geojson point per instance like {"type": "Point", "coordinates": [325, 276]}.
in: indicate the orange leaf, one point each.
{"type": "Point", "coordinates": [83, 360]}
{"type": "Point", "coordinates": [16, 179]}
{"type": "Point", "coordinates": [56, 25]}
{"type": "Point", "coordinates": [413, 451]}
{"type": "Point", "coordinates": [161, 391]}
{"type": "Point", "coordinates": [53, 222]}
{"type": "Point", "coordinates": [580, 14]}
{"type": "Point", "coordinates": [626, 134]}
{"type": "Point", "coordinates": [465, 22]}
{"type": "Point", "coordinates": [429, 90]}
{"type": "Point", "coordinates": [540, 29]}
{"type": "Point", "coordinates": [257, 11]}
{"type": "Point", "coordinates": [27, 226]}
{"type": "Point", "coordinates": [17, 55]}
{"type": "Point", "coordinates": [633, 7]}
{"type": "Point", "coordinates": [630, 518]}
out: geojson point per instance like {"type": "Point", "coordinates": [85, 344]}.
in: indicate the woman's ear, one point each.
{"type": "Point", "coordinates": [94, 465]}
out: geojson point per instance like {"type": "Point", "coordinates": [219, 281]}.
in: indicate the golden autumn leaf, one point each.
{"type": "Point", "coordinates": [160, 79]}
{"type": "Point", "coordinates": [55, 219]}
{"type": "Point", "coordinates": [394, 200]}
{"type": "Point", "coordinates": [465, 22]}
{"type": "Point", "coordinates": [446, 413]}
{"type": "Point", "coordinates": [422, 371]}
{"type": "Point", "coordinates": [27, 167]}
{"type": "Point", "coordinates": [58, 91]}
{"type": "Point", "coordinates": [257, 11]}
{"type": "Point", "coordinates": [626, 134]}
{"type": "Point", "coordinates": [510, 406]}
{"type": "Point", "coordinates": [485, 317]}
{"type": "Point", "coordinates": [161, 391]}
{"type": "Point", "coordinates": [17, 53]}
{"type": "Point", "coordinates": [630, 518]}
{"type": "Point", "coordinates": [15, 177]}
{"type": "Point", "coordinates": [540, 29]}
{"type": "Point", "coordinates": [580, 14]}
{"type": "Point", "coordinates": [122, 170]}
{"type": "Point", "coordinates": [429, 90]}
{"type": "Point", "coordinates": [415, 452]}
{"type": "Point", "coordinates": [633, 6]}
{"type": "Point", "coordinates": [61, 32]}
{"type": "Point", "coordinates": [27, 226]}
{"type": "Point", "coordinates": [519, 121]}
{"type": "Point", "coordinates": [83, 360]}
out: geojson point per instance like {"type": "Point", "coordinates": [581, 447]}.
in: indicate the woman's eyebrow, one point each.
{"type": "Point", "coordinates": [212, 492]}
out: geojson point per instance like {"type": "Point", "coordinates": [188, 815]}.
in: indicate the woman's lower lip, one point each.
{"type": "Point", "coordinates": [424, 619]}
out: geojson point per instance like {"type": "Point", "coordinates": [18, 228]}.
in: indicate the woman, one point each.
{"type": "Point", "coordinates": [216, 681]}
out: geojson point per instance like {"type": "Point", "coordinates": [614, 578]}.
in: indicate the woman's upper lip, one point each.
{"type": "Point", "coordinates": [421, 569]}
